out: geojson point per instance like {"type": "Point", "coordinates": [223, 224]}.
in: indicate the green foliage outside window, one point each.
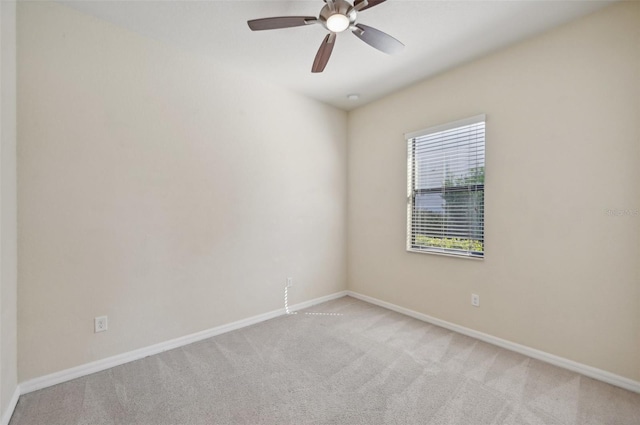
{"type": "Point", "coordinates": [449, 243]}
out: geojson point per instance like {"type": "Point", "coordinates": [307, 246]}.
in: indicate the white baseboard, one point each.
{"type": "Point", "coordinates": [591, 372]}
{"type": "Point", "coordinates": [6, 417]}
{"type": "Point", "coordinates": [109, 362]}
{"type": "Point", "coordinates": [100, 365]}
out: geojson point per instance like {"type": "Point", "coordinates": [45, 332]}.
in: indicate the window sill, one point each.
{"type": "Point", "coordinates": [445, 254]}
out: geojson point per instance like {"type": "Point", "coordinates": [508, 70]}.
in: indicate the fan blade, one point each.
{"type": "Point", "coordinates": [370, 4]}
{"type": "Point", "coordinates": [280, 22]}
{"type": "Point", "coordinates": [378, 39]}
{"type": "Point", "coordinates": [324, 53]}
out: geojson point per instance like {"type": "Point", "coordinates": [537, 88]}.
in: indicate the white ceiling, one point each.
{"type": "Point", "coordinates": [438, 35]}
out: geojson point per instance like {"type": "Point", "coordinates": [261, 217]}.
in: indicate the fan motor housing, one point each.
{"type": "Point", "coordinates": [341, 7]}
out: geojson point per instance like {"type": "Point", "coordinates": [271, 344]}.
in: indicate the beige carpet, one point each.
{"type": "Point", "coordinates": [368, 365]}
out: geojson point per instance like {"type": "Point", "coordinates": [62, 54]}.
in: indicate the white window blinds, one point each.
{"type": "Point", "coordinates": [445, 211]}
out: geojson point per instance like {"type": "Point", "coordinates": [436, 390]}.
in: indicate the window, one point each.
{"type": "Point", "coordinates": [445, 212]}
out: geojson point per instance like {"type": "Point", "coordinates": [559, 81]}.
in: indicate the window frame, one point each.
{"type": "Point", "coordinates": [411, 246]}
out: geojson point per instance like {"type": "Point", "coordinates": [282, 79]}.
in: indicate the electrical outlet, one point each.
{"type": "Point", "coordinates": [289, 282]}
{"type": "Point", "coordinates": [100, 324]}
{"type": "Point", "coordinates": [475, 300]}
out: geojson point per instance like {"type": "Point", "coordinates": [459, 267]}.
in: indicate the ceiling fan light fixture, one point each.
{"type": "Point", "coordinates": [336, 16]}
{"type": "Point", "coordinates": [338, 22]}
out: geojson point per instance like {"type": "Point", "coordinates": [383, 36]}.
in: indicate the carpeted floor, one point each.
{"type": "Point", "coordinates": [367, 365]}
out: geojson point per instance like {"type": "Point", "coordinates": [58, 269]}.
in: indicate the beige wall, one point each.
{"type": "Point", "coordinates": [8, 248]}
{"type": "Point", "coordinates": [162, 190]}
{"type": "Point", "coordinates": [563, 147]}
{"type": "Point", "coordinates": [172, 195]}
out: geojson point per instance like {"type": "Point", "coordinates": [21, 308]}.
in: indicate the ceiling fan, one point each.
{"type": "Point", "coordinates": [336, 16]}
